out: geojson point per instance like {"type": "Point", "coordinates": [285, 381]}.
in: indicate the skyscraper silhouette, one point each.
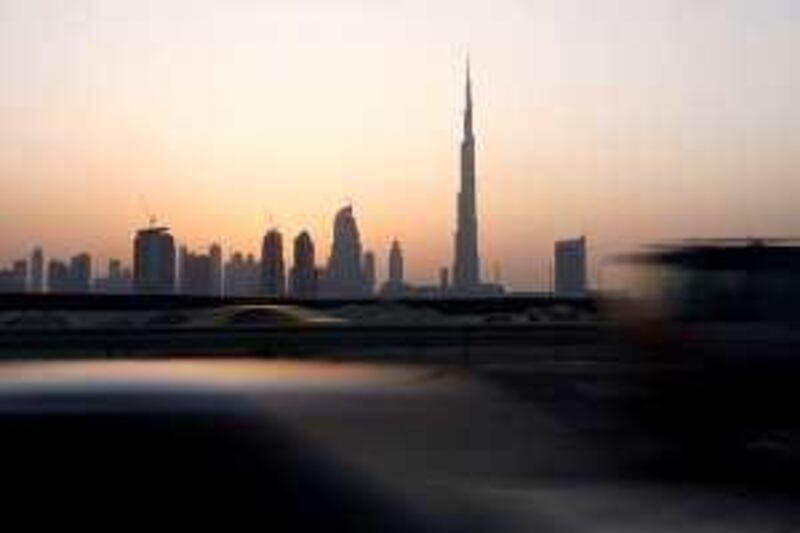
{"type": "Point", "coordinates": [395, 285]}
{"type": "Point", "coordinates": [466, 270]}
{"type": "Point", "coordinates": [74, 277]}
{"type": "Point", "coordinates": [80, 273]}
{"type": "Point", "coordinates": [14, 279]}
{"type": "Point", "coordinates": [37, 270]}
{"type": "Point", "coordinates": [242, 275]}
{"type": "Point", "coordinates": [343, 276]}
{"type": "Point", "coordinates": [196, 273]}
{"type": "Point", "coordinates": [58, 278]}
{"type": "Point", "coordinates": [117, 281]}
{"type": "Point", "coordinates": [181, 267]}
{"type": "Point", "coordinates": [368, 271]}
{"type": "Point", "coordinates": [396, 265]}
{"type": "Point", "coordinates": [570, 267]}
{"type": "Point", "coordinates": [303, 277]}
{"type": "Point", "coordinates": [215, 253]}
{"type": "Point", "coordinates": [273, 272]}
{"type": "Point", "coordinates": [154, 261]}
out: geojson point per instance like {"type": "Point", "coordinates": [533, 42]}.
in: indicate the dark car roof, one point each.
{"type": "Point", "coordinates": [710, 256]}
{"type": "Point", "coordinates": [189, 442]}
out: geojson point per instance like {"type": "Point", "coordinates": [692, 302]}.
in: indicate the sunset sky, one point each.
{"type": "Point", "coordinates": [627, 120]}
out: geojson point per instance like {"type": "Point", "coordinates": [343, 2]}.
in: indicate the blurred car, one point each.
{"type": "Point", "coordinates": [715, 332]}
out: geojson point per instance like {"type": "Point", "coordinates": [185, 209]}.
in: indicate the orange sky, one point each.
{"type": "Point", "coordinates": [634, 122]}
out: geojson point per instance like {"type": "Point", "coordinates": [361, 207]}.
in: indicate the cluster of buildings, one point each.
{"type": "Point", "coordinates": [348, 273]}
{"type": "Point", "coordinates": [73, 276]}
{"type": "Point", "coordinates": [158, 268]}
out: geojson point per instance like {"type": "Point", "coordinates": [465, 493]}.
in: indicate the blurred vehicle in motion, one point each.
{"type": "Point", "coordinates": [724, 280]}
{"type": "Point", "coordinates": [716, 328]}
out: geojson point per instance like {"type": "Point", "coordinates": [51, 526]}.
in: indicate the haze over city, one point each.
{"type": "Point", "coordinates": [628, 122]}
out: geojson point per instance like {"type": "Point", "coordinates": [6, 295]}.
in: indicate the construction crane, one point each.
{"type": "Point", "coordinates": [151, 218]}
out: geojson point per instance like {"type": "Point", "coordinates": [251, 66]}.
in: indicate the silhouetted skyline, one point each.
{"type": "Point", "coordinates": [629, 123]}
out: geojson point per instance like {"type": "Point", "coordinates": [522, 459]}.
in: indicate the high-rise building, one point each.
{"type": "Point", "coordinates": [570, 267]}
{"type": "Point", "coordinates": [368, 271]}
{"type": "Point", "coordinates": [154, 261]}
{"type": "Point", "coordinates": [20, 270]}
{"type": "Point", "coordinates": [74, 277]}
{"type": "Point", "coordinates": [14, 279]}
{"type": "Point", "coordinates": [37, 270]}
{"type": "Point", "coordinates": [395, 285]}
{"type": "Point", "coordinates": [242, 276]}
{"type": "Point", "coordinates": [343, 276]}
{"type": "Point", "coordinates": [117, 281]}
{"type": "Point", "coordinates": [303, 277]}
{"type": "Point", "coordinates": [195, 273]}
{"type": "Point", "coordinates": [58, 276]}
{"type": "Point", "coordinates": [396, 264]}
{"type": "Point", "coordinates": [183, 253]}
{"type": "Point", "coordinates": [273, 272]}
{"type": "Point", "coordinates": [80, 273]}
{"type": "Point", "coordinates": [215, 253]}
{"type": "Point", "coordinates": [466, 270]}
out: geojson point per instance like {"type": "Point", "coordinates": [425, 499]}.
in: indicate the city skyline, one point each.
{"type": "Point", "coordinates": [628, 124]}
{"type": "Point", "coordinates": [351, 270]}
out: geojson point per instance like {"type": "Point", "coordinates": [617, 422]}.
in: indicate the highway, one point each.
{"type": "Point", "coordinates": [457, 341]}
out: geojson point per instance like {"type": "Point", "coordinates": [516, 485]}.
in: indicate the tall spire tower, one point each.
{"type": "Point", "coordinates": [466, 270]}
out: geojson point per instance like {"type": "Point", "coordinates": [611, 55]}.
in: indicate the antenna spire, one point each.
{"type": "Point", "coordinates": [468, 108]}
